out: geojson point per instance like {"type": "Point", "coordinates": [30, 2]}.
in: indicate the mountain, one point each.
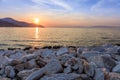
{"type": "Point", "coordinates": [10, 22]}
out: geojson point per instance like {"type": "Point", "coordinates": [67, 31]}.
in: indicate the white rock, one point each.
{"type": "Point", "coordinates": [62, 51]}
{"type": "Point", "coordinates": [25, 73]}
{"type": "Point", "coordinates": [52, 67]}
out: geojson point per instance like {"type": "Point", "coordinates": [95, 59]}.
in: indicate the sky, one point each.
{"type": "Point", "coordinates": [63, 13]}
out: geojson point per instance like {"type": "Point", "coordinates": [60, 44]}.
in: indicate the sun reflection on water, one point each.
{"type": "Point", "coordinates": [36, 33]}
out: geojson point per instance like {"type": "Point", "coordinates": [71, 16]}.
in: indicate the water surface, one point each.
{"type": "Point", "coordinates": [22, 37]}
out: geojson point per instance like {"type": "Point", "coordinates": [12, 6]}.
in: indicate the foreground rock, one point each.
{"type": "Point", "coordinates": [61, 63]}
{"type": "Point", "coordinates": [52, 67]}
{"type": "Point", "coordinates": [62, 76]}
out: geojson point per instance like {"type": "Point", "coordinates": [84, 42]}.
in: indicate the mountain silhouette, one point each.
{"type": "Point", "coordinates": [10, 22]}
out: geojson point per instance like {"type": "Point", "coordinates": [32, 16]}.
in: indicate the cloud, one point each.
{"type": "Point", "coordinates": [53, 4]}
{"type": "Point", "coordinates": [106, 6]}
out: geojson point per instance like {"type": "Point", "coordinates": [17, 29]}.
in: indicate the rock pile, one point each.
{"type": "Point", "coordinates": [61, 63]}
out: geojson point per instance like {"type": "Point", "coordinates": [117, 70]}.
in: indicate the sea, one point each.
{"type": "Point", "coordinates": [16, 37]}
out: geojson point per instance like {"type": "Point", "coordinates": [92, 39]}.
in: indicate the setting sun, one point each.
{"type": "Point", "coordinates": [36, 20]}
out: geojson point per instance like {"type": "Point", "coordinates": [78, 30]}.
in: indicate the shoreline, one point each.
{"type": "Point", "coordinates": [61, 63]}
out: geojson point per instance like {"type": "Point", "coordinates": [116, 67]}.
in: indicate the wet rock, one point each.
{"type": "Point", "coordinates": [99, 75]}
{"type": "Point", "coordinates": [62, 76]}
{"type": "Point", "coordinates": [46, 47]}
{"type": "Point", "coordinates": [114, 76]}
{"type": "Point", "coordinates": [27, 48]}
{"type": "Point", "coordinates": [9, 71]}
{"type": "Point", "coordinates": [25, 73]}
{"type": "Point", "coordinates": [116, 69]}
{"type": "Point", "coordinates": [62, 50]}
{"type": "Point", "coordinates": [56, 47]}
{"type": "Point", "coordinates": [52, 67]}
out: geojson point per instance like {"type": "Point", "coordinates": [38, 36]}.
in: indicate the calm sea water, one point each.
{"type": "Point", "coordinates": [22, 37]}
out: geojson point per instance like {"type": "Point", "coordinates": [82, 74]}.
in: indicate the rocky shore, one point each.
{"type": "Point", "coordinates": [61, 63]}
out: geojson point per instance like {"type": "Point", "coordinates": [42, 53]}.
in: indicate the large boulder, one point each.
{"type": "Point", "coordinates": [101, 60]}
{"type": "Point", "coordinates": [62, 50]}
{"type": "Point", "coordinates": [9, 71]}
{"type": "Point", "coordinates": [52, 67]}
{"type": "Point", "coordinates": [28, 57]}
{"type": "Point", "coordinates": [62, 76]}
{"type": "Point", "coordinates": [25, 73]}
{"type": "Point", "coordinates": [30, 64]}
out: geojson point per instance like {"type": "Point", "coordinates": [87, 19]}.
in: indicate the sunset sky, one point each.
{"type": "Point", "coordinates": [63, 12]}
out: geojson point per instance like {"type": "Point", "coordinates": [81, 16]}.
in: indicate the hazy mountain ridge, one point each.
{"type": "Point", "coordinates": [10, 22]}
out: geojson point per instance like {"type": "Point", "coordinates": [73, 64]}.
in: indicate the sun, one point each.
{"type": "Point", "coordinates": [36, 20]}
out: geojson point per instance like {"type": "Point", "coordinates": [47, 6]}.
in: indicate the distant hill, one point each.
{"type": "Point", "coordinates": [9, 22]}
